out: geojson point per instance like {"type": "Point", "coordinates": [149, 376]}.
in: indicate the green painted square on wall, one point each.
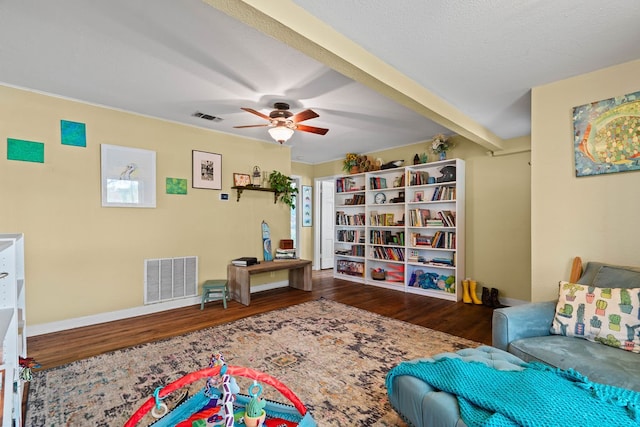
{"type": "Point", "coordinates": [176, 186]}
{"type": "Point", "coordinates": [73, 133]}
{"type": "Point", "coordinates": [25, 151]}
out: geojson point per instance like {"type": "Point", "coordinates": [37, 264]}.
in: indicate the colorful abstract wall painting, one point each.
{"type": "Point", "coordinates": [606, 135]}
{"type": "Point", "coordinates": [73, 133]}
{"type": "Point", "coordinates": [176, 186]}
{"type": "Point", "coordinates": [25, 151]}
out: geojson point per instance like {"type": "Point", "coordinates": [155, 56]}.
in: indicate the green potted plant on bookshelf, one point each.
{"type": "Point", "coordinates": [282, 185]}
{"type": "Point", "coordinates": [351, 163]}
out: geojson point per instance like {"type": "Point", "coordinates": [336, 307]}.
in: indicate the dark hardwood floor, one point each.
{"type": "Point", "coordinates": [465, 320]}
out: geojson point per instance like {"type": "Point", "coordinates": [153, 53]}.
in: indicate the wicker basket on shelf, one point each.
{"type": "Point", "coordinates": [378, 275]}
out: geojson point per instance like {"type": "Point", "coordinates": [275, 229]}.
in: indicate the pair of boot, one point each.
{"type": "Point", "coordinates": [490, 297]}
{"type": "Point", "coordinates": [469, 292]}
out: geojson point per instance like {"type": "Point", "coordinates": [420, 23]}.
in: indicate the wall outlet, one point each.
{"type": "Point", "coordinates": [272, 274]}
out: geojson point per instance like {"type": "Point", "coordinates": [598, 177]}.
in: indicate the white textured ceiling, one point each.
{"type": "Point", "coordinates": [484, 56]}
{"type": "Point", "coordinates": [168, 59]}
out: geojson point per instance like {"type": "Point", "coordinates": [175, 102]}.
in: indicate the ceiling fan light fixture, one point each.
{"type": "Point", "coordinates": [281, 133]}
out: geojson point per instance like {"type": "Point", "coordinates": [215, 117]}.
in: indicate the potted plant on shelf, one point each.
{"type": "Point", "coordinates": [282, 184]}
{"type": "Point", "coordinates": [440, 144]}
{"type": "Point", "coordinates": [351, 163]}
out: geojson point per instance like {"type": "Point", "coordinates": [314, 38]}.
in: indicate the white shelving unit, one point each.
{"type": "Point", "coordinates": [413, 228]}
{"type": "Point", "coordinates": [12, 326]}
{"type": "Point", "coordinates": [350, 227]}
{"type": "Point", "coordinates": [385, 227]}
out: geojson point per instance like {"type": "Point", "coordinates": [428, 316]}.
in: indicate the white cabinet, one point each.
{"type": "Point", "coordinates": [12, 326]}
{"type": "Point", "coordinates": [412, 237]}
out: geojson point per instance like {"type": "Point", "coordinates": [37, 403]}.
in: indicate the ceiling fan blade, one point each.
{"type": "Point", "coordinates": [304, 115]}
{"type": "Point", "coordinates": [257, 113]}
{"type": "Point", "coordinates": [312, 129]}
{"type": "Point", "coordinates": [251, 126]}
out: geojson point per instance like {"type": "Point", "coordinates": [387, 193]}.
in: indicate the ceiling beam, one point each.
{"type": "Point", "coordinates": [294, 26]}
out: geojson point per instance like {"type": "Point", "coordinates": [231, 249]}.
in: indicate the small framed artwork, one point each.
{"type": "Point", "coordinates": [419, 196]}
{"type": "Point", "coordinates": [128, 177]}
{"type": "Point", "coordinates": [176, 186]}
{"type": "Point", "coordinates": [241, 179]}
{"type": "Point", "coordinates": [207, 170]}
{"type": "Point", "coordinates": [307, 213]}
{"type": "Point", "coordinates": [73, 133]}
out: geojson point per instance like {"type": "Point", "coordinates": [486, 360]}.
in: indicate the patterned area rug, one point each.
{"type": "Point", "coordinates": [332, 356]}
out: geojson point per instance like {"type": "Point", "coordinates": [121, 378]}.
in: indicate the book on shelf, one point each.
{"type": "Point", "coordinates": [244, 261]}
{"type": "Point", "coordinates": [343, 219]}
{"type": "Point", "coordinates": [346, 184]}
{"type": "Point", "coordinates": [436, 193]}
{"type": "Point", "coordinates": [400, 181]}
{"type": "Point", "coordinates": [449, 218]}
{"type": "Point", "coordinates": [377, 183]}
{"type": "Point", "coordinates": [355, 250]}
{"type": "Point", "coordinates": [443, 192]}
{"type": "Point", "coordinates": [437, 241]}
{"type": "Point", "coordinates": [419, 178]}
{"type": "Point", "coordinates": [357, 199]}
{"type": "Point", "coordinates": [437, 261]}
{"type": "Point", "coordinates": [418, 239]}
{"type": "Point", "coordinates": [419, 217]}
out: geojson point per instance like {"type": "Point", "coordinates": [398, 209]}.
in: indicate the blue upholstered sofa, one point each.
{"type": "Point", "coordinates": [524, 331]}
{"type": "Point", "coordinates": [522, 334]}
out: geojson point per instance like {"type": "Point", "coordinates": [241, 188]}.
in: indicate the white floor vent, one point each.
{"type": "Point", "coordinates": [170, 278]}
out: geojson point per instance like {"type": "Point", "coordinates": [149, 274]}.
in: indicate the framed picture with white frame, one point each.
{"type": "Point", "coordinates": [207, 170]}
{"type": "Point", "coordinates": [128, 177]}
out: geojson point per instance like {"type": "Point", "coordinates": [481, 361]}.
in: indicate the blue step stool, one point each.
{"type": "Point", "coordinates": [214, 290]}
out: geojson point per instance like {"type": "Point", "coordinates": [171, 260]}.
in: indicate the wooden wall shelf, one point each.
{"type": "Point", "coordinates": [240, 189]}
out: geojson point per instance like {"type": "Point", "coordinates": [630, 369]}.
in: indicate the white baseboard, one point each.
{"type": "Point", "coordinates": [509, 302]}
{"type": "Point", "coordinates": [78, 322]}
{"type": "Point", "coordinates": [512, 302]}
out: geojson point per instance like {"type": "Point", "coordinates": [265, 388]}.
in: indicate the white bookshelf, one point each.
{"type": "Point", "coordinates": [12, 325]}
{"type": "Point", "coordinates": [418, 256]}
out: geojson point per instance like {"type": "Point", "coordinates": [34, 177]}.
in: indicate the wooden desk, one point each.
{"type": "Point", "coordinates": [239, 278]}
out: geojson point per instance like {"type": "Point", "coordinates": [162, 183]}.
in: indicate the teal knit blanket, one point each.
{"type": "Point", "coordinates": [537, 396]}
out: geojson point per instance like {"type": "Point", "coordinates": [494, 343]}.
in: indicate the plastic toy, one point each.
{"type": "Point", "coordinates": [219, 402]}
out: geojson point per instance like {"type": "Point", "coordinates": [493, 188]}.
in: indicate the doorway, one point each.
{"type": "Point", "coordinates": [294, 230]}
{"type": "Point", "coordinates": [324, 232]}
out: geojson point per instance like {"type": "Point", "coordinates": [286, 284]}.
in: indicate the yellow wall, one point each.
{"type": "Point", "coordinates": [83, 259]}
{"type": "Point", "coordinates": [497, 211]}
{"type": "Point", "coordinates": [593, 217]}
{"type": "Point", "coordinates": [524, 223]}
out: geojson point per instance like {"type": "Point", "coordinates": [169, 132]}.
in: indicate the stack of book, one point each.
{"type": "Point", "coordinates": [285, 254]}
{"type": "Point", "coordinates": [244, 261]}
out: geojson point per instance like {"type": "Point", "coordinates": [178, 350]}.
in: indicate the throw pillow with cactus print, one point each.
{"type": "Point", "coordinates": [610, 316]}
